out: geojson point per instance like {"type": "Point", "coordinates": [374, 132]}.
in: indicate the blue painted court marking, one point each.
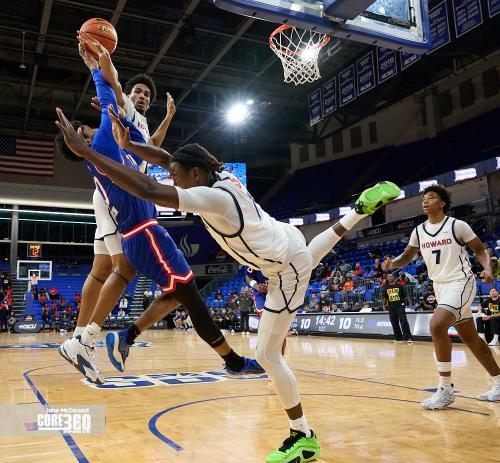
{"type": "Point", "coordinates": [67, 438]}
{"type": "Point", "coordinates": [379, 382]}
{"type": "Point", "coordinates": [153, 420]}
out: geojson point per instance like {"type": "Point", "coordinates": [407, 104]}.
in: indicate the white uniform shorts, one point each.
{"type": "Point", "coordinates": [287, 288]}
{"type": "Point", "coordinates": [457, 297]}
{"type": "Point", "coordinates": [107, 238]}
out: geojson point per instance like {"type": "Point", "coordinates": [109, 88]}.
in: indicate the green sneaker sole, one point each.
{"type": "Point", "coordinates": [375, 197]}
{"type": "Point", "coordinates": [305, 450]}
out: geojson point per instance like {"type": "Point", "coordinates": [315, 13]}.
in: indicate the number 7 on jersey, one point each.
{"type": "Point", "coordinates": [437, 252]}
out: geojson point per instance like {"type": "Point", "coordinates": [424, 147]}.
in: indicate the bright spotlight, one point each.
{"type": "Point", "coordinates": [237, 114]}
{"type": "Point", "coordinates": [249, 102]}
{"type": "Point", "coordinates": [308, 54]}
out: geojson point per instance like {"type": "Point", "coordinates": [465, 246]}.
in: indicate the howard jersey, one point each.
{"type": "Point", "coordinates": [443, 248]}
{"type": "Point", "coordinates": [135, 210]}
{"type": "Point", "coordinates": [240, 226]}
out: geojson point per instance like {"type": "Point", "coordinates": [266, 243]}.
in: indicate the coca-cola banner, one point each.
{"type": "Point", "coordinates": [219, 269]}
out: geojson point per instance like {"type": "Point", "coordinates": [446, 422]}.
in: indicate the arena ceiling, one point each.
{"type": "Point", "coordinates": [205, 57]}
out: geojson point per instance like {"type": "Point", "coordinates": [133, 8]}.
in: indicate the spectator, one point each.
{"type": "Point", "coordinates": [324, 300]}
{"type": "Point", "coordinates": [345, 267]}
{"type": "Point", "coordinates": [497, 245]}
{"type": "Point", "coordinates": [53, 293]}
{"type": "Point", "coordinates": [34, 289]}
{"type": "Point", "coordinates": [430, 302]}
{"type": "Point", "coordinates": [490, 316]}
{"type": "Point", "coordinates": [78, 298]}
{"type": "Point", "coordinates": [394, 296]}
{"type": "Point", "coordinates": [345, 307]}
{"type": "Point", "coordinates": [245, 305]}
{"type": "Point", "coordinates": [69, 310]}
{"type": "Point", "coordinates": [9, 302]}
{"type": "Point", "coordinates": [421, 286]}
{"type": "Point", "coordinates": [358, 270]}
{"type": "Point", "coordinates": [53, 307]}
{"type": "Point", "coordinates": [348, 285]}
{"type": "Point", "coordinates": [123, 305]}
{"type": "Point", "coordinates": [420, 264]}
{"type": "Point", "coordinates": [12, 322]}
{"type": "Point", "coordinates": [366, 308]}
{"type": "Point", "coordinates": [158, 292]}
{"type": "Point", "coordinates": [43, 298]}
{"type": "Point", "coordinates": [147, 295]}
{"type": "Point", "coordinates": [334, 308]}
{"type": "Point", "coordinates": [402, 279]}
{"type": "Point", "coordinates": [314, 308]}
{"type": "Point", "coordinates": [377, 268]}
{"type": "Point", "coordinates": [4, 317]}
{"type": "Point", "coordinates": [359, 292]}
{"type": "Point", "coordinates": [357, 307]}
{"type": "Point", "coordinates": [45, 318]}
{"type": "Point", "coordinates": [313, 298]}
{"type": "Point", "coordinates": [121, 312]}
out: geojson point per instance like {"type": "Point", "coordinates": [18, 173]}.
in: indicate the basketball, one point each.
{"type": "Point", "coordinates": [102, 31]}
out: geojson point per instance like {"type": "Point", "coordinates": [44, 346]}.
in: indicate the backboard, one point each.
{"type": "Point", "coordinates": [397, 24]}
{"type": "Point", "coordinates": [25, 268]}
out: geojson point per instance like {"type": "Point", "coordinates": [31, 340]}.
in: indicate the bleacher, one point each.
{"type": "Point", "coordinates": [469, 142]}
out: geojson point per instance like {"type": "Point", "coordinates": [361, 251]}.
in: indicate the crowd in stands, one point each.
{"type": "Point", "coordinates": [7, 317]}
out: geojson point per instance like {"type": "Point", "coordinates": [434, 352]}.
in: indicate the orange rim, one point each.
{"type": "Point", "coordinates": [285, 27]}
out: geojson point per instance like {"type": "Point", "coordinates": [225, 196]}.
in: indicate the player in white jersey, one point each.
{"type": "Point", "coordinates": [443, 242]}
{"type": "Point", "coordinates": [253, 238]}
{"type": "Point", "coordinates": [109, 259]}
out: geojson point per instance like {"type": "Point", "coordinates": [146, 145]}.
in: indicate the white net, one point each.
{"type": "Point", "coordinates": [298, 51]}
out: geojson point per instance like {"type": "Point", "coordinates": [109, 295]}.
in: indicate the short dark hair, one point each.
{"type": "Point", "coordinates": [443, 194]}
{"type": "Point", "coordinates": [61, 148]}
{"type": "Point", "coordinates": [141, 79]}
{"type": "Point", "coordinates": [194, 155]}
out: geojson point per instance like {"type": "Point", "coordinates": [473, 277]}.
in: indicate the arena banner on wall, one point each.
{"type": "Point", "coordinates": [195, 243]}
{"type": "Point", "coordinates": [315, 110]}
{"type": "Point", "coordinates": [407, 59]}
{"type": "Point", "coordinates": [467, 14]}
{"type": "Point", "coordinates": [365, 73]}
{"type": "Point", "coordinates": [386, 64]}
{"type": "Point", "coordinates": [329, 95]}
{"type": "Point", "coordinates": [404, 226]}
{"type": "Point", "coordinates": [347, 85]}
{"type": "Point", "coordinates": [440, 26]}
{"type": "Point", "coordinates": [493, 7]}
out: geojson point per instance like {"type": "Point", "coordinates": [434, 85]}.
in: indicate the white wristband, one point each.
{"type": "Point", "coordinates": [253, 283]}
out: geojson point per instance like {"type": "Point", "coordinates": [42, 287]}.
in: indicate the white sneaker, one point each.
{"type": "Point", "coordinates": [494, 342]}
{"type": "Point", "coordinates": [442, 398]}
{"type": "Point", "coordinates": [398, 342]}
{"type": "Point", "coordinates": [82, 357]}
{"type": "Point", "coordinates": [410, 341]}
{"type": "Point", "coordinates": [490, 396]}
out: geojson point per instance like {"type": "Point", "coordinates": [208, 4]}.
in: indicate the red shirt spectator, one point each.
{"type": "Point", "coordinates": [8, 292]}
{"type": "Point", "coordinates": [348, 285]}
{"type": "Point", "coordinates": [68, 309]}
{"type": "Point", "coordinates": [8, 301]}
{"type": "Point", "coordinates": [43, 299]}
{"type": "Point", "coordinates": [358, 271]}
{"type": "Point", "coordinates": [53, 307]}
{"type": "Point", "coordinates": [53, 293]}
{"type": "Point", "coordinates": [62, 301]}
{"type": "Point", "coordinates": [78, 297]}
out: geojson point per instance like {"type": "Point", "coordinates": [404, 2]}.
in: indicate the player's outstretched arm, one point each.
{"type": "Point", "coordinates": [108, 69]}
{"type": "Point", "coordinates": [404, 259]}
{"type": "Point", "coordinates": [483, 258]}
{"type": "Point", "coordinates": [146, 151]}
{"type": "Point", "coordinates": [160, 133]}
{"type": "Point", "coordinates": [133, 181]}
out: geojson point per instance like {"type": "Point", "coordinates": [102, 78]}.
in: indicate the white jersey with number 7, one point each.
{"type": "Point", "coordinates": [443, 249]}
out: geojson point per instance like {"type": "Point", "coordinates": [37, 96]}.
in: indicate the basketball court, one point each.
{"type": "Point", "coordinates": [309, 59]}
{"type": "Point", "coordinates": [173, 403]}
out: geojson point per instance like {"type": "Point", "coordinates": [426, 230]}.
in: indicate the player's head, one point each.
{"type": "Point", "coordinates": [141, 89]}
{"type": "Point", "coordinates": [192, 165]}
{"type": "Point", "coordinates": [61, 147]}
{"type": "Point", "coordinates": [436, 198]}
{"type": "Point", "coordinates": [493, 293]}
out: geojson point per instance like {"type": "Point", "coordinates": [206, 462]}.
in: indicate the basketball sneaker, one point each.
{"type": "Point", "coordinates": [442, 398]}
{"type": "Point", "coordinates": [82, 357]}
{"type": "Point", "coordinates": [251, 367]}
{"type": "Point", "coordinates": [492, 395]}
{"type": "Point", "coordinates": [296, 449]}
{"type": "Point", "coordinates": [375, 197]}
{"type": "Point", "coordinates": [118, 347]}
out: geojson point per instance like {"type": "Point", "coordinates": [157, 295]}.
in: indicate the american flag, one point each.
{"type": "Point", "coordinates": [22, 156]}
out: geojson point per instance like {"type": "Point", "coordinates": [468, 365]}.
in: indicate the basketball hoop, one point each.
{"type": "Point", "coordinates": [298, 51]}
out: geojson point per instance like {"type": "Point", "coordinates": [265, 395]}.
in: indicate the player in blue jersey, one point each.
{"type": "Point", "coordinates": [258, 282]}
{"type": "Point", "coordinates": [149, 249]}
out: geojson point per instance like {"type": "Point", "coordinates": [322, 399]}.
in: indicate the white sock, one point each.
{"type": "Point", "coordinates": [300, 424]}
{"type": "Point", "coordinates": [78, 330]}
{"type": "Point", "coordinates": [496, 380]}
{"type": "Point", "coordinates": [482, 336]}
{"type": "Point", "coordinates": [322, 244]}
{"type": "Point", "coordinates": [495, 338]}
{"type": "Point", "coordinates": [89, 335]}
{"type": "Point", "coordinates": [351, 219]}
{"type": "Point", "coordinates": [445, 382]}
